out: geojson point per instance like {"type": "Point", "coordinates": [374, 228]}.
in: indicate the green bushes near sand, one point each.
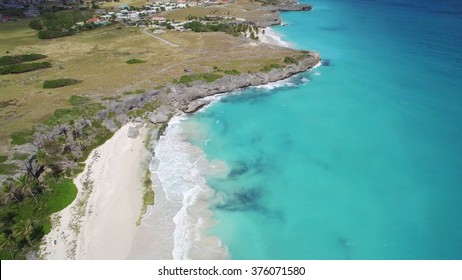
{"type": "Point", "coordinates": [16, 59]}
{"type": "Point", "coordinates": [22, 68]}
{"type": "Point", "coordinates": [148, 195]}
{"type": "Point", "coordinates": [60, 83]}
{"type": "Point", "coordinates": [62, 193]}
{"type": "Point", "coordinates": [26, 206]}
{"type": "Point", "coordinates": [27, 203]}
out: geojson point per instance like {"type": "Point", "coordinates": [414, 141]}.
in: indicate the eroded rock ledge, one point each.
{"type": "Point", "coordinates": [190, 99]}
{"type": "Point", "coordinates": [173, 99]}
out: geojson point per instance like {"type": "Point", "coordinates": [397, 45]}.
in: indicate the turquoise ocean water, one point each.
{"type": "Point", "coordinates": [357, 159]}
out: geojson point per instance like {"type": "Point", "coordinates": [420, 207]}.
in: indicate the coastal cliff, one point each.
{"type": "Point", "coordinates": [189, 99]}
{"type": "Point", "coordinates": [82, 134]}
{"type": "Point", "coordinates": [59, 146]}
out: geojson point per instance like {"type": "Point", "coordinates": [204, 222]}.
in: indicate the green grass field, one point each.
{"type": "Point", "coordinates": [99, 58]}
{"type": "Point", "coordinates": [240, 9]}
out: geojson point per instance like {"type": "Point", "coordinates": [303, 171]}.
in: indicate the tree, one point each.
{"type": "Point", "coordinates": [23, 230]}
{"type": "Point", "coordinates": [6, 244]}
{"type": "Point", "coordinates": [26, 186]}
{"type": "Point", "coordinates": [36, 24]}
{"type": "Point", "coordinates": [10, 193]}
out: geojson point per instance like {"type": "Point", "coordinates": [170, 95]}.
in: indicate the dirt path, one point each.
{"type": "Point", "coordinates": [161, 39]}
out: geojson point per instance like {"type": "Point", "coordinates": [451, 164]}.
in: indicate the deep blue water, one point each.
{"type": "Point", "coordinates": [361, 159]}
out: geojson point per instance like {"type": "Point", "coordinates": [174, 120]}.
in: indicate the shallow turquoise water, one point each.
{"type": "Point", "coordinates": [360, 159]}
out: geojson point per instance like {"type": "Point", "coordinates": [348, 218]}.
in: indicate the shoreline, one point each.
{"type": "Point", "coordinates": [104, 225]}
{"type": "Point", "coordinates": [101, 222]}
{"type": "Point", "coordinates": [182, 223]}
{"type": "Point", "coordinates": [268, 36]}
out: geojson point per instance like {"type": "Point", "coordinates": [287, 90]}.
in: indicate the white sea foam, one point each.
{"type": "Point", "coordinates": [293, 81]}
{"type": "Point", "coordinates": [182, 196]}
{"type": "Point", "coordinates": [277, 84]}
{"type": "Point", "coordinates": [181, 169]}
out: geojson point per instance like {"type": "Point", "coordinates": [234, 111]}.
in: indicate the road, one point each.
{"type": "Point", "coordinates": [161, 39]}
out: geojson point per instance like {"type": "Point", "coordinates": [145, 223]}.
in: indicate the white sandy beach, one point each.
{"type": "Point", "coordinates": [101, 222]}
{"type": "Point", "coordinates": [269, 36]}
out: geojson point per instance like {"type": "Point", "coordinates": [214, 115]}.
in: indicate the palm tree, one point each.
{"type": "Point", "coordinates": [41, 158]}
{"type": "Point", "coordinates": [10, 193]}
{"type": "Point", "coordinates": [23, 230]}
{"type": "Point", "coordinates": [6, 243]}
{"type": "Point", "coordinates": [26, 185]}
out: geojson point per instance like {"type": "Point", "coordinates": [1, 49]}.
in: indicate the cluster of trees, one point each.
{"type": "Point", "coordinates": [59, 24]}
{"type": "Point", "coordinates": [197, 26]}
{"type": "Point", "coordinates": [25, 206]}
{"type": "Point", "coordinates": [60, 83]}
{"type": "Point", "coordinates": [27, 203]}
{"type": "Point", "coordinates": [233, 29]}
{"type": "Point", "coordinates": [21, 68]}
{"type": "Point", "coordinates": [16, 59]}
{"type": "Point", "coordinates": [14, 64]}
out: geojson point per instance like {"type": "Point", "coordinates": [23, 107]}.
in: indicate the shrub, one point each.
{"type": "Point", "coordinates": [3, 158]}
{"type": "Point", "coordinates": [22, 137]}
{"type": "Point", "coordinates": [36, 24]}
{"type": "Point", "coordinates": [208, 77]}
{"type": "Point", "coordinates": [22, 68]}
{"type": "Point", "coordinates": [62, 194]}
{"type": "Point", "coordinates": [268, 68]}
{"type": "Point", "coordinates": [16, 59]}
{"type": "Point", "coordinates": [60, 83]}
{"type": "Point", "coordinates": [50, 34]}
{"type": "Point", "coordinates": [135, 61]}
{"type": "Point", "coordinates": [232, 72]}
{"type": "Point", "coordinates": [290, 60]}
{"type": "Point", "coordinates": [78, 100]}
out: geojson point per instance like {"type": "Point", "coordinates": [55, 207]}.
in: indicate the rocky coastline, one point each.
{"type": "Point", "coordinates": [171, 100]}
{"type": "Point", "coordinates": [60, 146]}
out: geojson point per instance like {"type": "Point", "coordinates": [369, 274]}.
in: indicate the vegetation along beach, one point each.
{"type": "Point", "coordinates": [86, 92]}
{"type": "Point", "coordinates": [231, 129]}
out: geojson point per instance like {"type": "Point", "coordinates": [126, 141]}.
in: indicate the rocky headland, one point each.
{"type": "Point", "coordinates": [59, 149]}
{"type": "Point", "coordinates": [170, 100]}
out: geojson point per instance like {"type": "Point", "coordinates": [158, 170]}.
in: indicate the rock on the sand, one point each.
{"type": "Point", "coordinates": [133, 132]}
{"type": "Point", "coordinates": [159, 117]}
